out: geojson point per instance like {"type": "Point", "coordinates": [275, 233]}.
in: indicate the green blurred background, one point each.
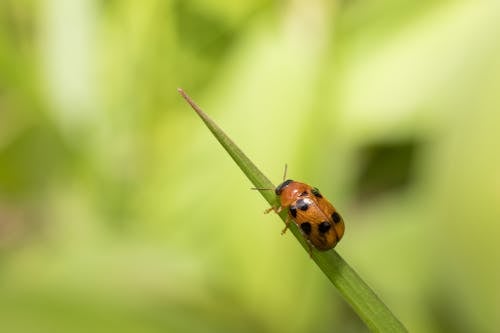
{"type": "Point", "coordinates": [119, 212]}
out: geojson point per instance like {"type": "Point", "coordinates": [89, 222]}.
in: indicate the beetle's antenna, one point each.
{"type": "Point", "coordinates": [262, 189]}
{"type": "Point", "coordinates": [270, 189]}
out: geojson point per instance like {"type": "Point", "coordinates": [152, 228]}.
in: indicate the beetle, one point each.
{"type": "Point", "coordinates": [317, 219]}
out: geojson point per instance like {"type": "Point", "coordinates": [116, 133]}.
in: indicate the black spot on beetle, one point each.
{"type": "Point", "coordinates": [324, 226]}
{"type": "Point", "coordinates": [293, 211]}
{"type": "Point", "coordinates": [302, 205]}
{"type": "Point", "coordinates": [336, 217]}
{"type": "Point", "coordinates": [316, 193]}
{"type": "Point", "coordinates": [306, 227]}
{"type": "Point", "coordinates": [282, 186]}
{"type": "Point", "coordinates": [303, 194]}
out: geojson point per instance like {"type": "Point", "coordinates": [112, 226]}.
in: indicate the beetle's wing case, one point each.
{"type": "Point", "coordinates": [316, 225]}
{"type": "Point", "coordinates": [338, 221]}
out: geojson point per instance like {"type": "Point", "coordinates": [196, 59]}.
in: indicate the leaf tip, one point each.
{"type": "Point", "coordinates": [182, 92]}
{"type": "Point", "coordinates": [192, 103]}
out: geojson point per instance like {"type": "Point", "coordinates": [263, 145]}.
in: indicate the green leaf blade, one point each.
{"type": "Point", "coordinates": [376, 315]}
{"type": "Point", "coordinates": [256, 177]}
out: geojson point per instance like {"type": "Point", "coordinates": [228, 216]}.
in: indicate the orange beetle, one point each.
{"type": "Point", "coordinates": [317, 219]}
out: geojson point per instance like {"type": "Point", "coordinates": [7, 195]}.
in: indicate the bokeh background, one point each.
{"type": "Point", "coordinates": [119, 212]}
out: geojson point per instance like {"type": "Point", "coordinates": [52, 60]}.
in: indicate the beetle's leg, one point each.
{"type": "Point", "coordinates": [287, 224]}
{"type": "Point", "coordinates": [277, 210]}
